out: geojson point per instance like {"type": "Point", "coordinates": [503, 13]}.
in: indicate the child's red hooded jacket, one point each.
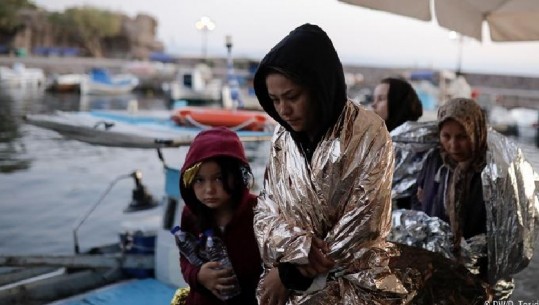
{"type": "Point", "coordinates": [238, 235]}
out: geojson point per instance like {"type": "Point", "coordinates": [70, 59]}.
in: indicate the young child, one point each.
{"type": "Point", "coordinates": [214, 184]}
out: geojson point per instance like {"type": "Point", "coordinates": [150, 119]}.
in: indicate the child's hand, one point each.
{"type": "Point", "coordinates": [214, 279]}
{"type": "Point", "coordinates": [273, 290]}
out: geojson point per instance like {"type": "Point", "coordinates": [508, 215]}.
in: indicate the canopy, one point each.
{"type": "Point", "coordinates": [508, 20]}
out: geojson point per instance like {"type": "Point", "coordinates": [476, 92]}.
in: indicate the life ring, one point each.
{"type": "Point", "coordinates": [211, 117]}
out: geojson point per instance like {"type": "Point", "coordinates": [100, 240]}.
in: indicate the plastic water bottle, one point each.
{"type": "Point", "coordinates": [188, 246]}
{"type": "Point", "coordinates": [216, 252]}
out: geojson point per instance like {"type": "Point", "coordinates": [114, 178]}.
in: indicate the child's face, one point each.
{"type": "Point", "coordinates": [208, 186]}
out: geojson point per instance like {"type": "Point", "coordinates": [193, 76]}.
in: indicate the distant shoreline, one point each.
{"type": "Point", "coordinates": [52, 65]}
{"type": "Point", "coordinates": [516, 91]}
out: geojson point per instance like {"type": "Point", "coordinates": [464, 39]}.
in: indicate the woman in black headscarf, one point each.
{"type": "Point", "coordinates": [324, 213]}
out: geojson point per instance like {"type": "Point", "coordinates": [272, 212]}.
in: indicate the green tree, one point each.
{"type": "Point", "coordinates": [88, 25]}
{"type": "Point", "coordinates": [9, 19]}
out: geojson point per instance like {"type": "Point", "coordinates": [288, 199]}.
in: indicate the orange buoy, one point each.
{"type": "Point", "coordinates": [233, 119]}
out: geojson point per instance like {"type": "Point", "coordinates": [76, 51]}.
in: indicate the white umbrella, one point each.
{"type": "Point", "coordinates": [508, 20]}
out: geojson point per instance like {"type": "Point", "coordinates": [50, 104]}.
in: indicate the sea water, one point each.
{"type": "Point", "coordinates": [48, 183]}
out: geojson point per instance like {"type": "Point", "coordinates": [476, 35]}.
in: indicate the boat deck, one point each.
{"type": "Point", "coordinates": [134, 292]}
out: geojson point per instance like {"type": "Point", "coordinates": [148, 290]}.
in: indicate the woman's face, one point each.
{"type": "Point", "coordinates": [455, 141]}
{"type": "Point", "coordinates": [379, 105]}
{"type": "Point", "coordinates": [208, 186]}
{"type": "Point", "coordinates": [291, 101]}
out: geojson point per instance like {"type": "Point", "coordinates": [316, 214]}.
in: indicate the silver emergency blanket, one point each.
{"type": "Point", "coordinates": [412, 142]}
{"type": "Point", "coordinates": [417, 229]}
{"type": "Point", "coordinates": [343, 196]}
{"type": "Point", "coordinates": [509, 191]}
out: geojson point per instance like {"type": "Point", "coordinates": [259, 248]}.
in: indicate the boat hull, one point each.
{"type": "Point", "coordinates": [120, 129]}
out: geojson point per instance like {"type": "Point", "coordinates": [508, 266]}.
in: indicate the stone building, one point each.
{"type": "Point", "coordinates": [136, 40]}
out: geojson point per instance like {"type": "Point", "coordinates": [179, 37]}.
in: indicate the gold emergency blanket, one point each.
{"type": "Point", "coordinates": [344, 197]}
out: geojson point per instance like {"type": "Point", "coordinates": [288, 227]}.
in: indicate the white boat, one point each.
{"type": "Point", "coordinates": [141, 129]}
{"type": "Point", "coordinates": [99, 81]}
{"type": "Point", "coordinates": [21, 76]}
{"type": "Point", "coordinates": [195, 84]}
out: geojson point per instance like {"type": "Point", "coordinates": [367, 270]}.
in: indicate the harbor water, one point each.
{"type": "Point", "coordinates": [48, 182]}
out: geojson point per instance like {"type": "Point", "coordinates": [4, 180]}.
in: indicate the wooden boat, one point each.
{"type": "Point", "coordinates": [233, 119]}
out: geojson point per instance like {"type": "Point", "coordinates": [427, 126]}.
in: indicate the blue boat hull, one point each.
{"type": "Point", "coordinates": [134, 292]}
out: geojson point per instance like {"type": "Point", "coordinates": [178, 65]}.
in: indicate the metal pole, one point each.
{"type": "Point", "coordinates": [204, 43]}
{"type": "Point", "coordinates": [459, 58]}
{"type": "Point", "coordinates": [83, 219]}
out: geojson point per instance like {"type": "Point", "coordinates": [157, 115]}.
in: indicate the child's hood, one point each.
{"type": "Point", "coordinates": [214, 142]}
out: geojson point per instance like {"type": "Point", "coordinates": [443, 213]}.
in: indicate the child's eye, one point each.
{"type": "Point", "coordinates": [219, 179]}
{"type": "Point", "coordinates": [198, 180]}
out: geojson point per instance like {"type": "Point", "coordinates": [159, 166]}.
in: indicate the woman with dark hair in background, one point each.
{"type": "Point", "coordinates": [396, 102]}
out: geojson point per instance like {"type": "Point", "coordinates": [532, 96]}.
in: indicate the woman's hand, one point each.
{"type": "Point", "coordinates": [214, 279]}
{"type": "Point", "coordinates": [273, 290]}
{"type": "Point", "coordinates": [319, 262]}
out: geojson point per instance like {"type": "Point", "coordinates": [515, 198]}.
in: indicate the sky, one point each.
{"type": "Point", "coordinates": [361, 36]}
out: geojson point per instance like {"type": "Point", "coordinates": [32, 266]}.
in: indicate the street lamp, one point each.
{"type": "Point", "coordinates": [204, 24]}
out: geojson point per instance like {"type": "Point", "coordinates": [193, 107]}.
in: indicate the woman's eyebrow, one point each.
{"type": "Point", "coordinates": [287, 92]}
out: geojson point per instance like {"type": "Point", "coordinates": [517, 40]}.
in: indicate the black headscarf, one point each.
{"type": "Point", "coordinates": [308, 57]}
{"type": "Point", "coordinates": [403, 104]}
